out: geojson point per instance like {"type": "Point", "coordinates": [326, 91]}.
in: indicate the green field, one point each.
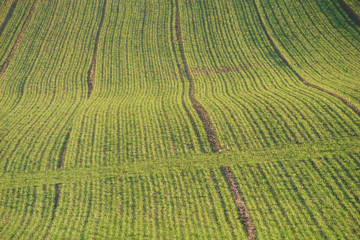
{"type": "Point", "coordinates": [179, 119]}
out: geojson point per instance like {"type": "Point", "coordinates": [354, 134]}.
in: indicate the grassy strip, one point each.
{"type": "Point", "coordinates": [291, 152]}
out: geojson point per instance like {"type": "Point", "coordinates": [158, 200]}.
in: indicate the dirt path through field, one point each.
{"type": "Point", "coordinates": [203, 114]}
{"type": "Point", "coordinates": [18, 40]}
{"type": "Point", "coordinates": [278, 51]}
{"type": "Point", "coordinates": [240, 204]}
{"type": "Point", "coordinates": [91, 72]}
{"type": "Point", "coordinates": [8, 16]}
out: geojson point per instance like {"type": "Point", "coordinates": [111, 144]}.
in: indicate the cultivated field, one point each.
{"type": "Point", "coordinates": [179, 119]}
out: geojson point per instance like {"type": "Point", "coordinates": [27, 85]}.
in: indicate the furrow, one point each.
{"type": "Point", "coordinates": [282, 56]}
{"type": "Point", "coordinates": [216, 185]}
{"type": "Point", "coordinates": [331, 72]}
{"type": "Point", "coordinates": [89, 209]}
{"type": "Point", "coordinates": [18, 40]}
{"type": "Point", "coordinates": [297, 195]}
{"type": "Point", "coordinates": [63, 151]}
{"type": "Point", "coordinates": [203, 114]}
{"type": "Point", "coordinates": [192, 121]}
{"type": "Point", "coordinates": [8, 16]}
{"type": "Point", "coordinates": [91, 72]}
{"type": "Point", "coordinates": [333, 189]}
{"type": "Point", "coordinates": [56, 201]}
{"type": "Point", "coordinates": [272, 201]}
{"type": "Point", "coordinates": [240, 204]}
{"type": "Point", "coordinates": [349, 11]}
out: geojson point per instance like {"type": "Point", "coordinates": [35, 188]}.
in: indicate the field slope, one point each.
{"type": "Point", "coordinates": [194, 119]}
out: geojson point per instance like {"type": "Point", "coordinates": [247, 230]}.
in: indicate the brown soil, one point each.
{"type": "Point", "coordinates": [240, 204]}
{"type": "Point", "coordinates": [346, 102]}
{"type": "Point", "coordinates": [91, 72]}
{"type": "Point", "coordinates": [203, 114]}
{"type": "Point", "coordinates": [352, 14]}
{"type": "Point", "coordinates": [18, 40]}
{"type": "Point", "coordinates": [8, 16]}
{"type": "Point", "coordinates": [188, 114]}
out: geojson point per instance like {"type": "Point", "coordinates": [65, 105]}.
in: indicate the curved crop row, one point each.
{"type": "Point", "coordinates": [346, 102]}
{"type": "Point", "coordinates": [288, 199]}
{"type": "Point", "coordinates": [306, 198]}
{"type": "Point", "coordinates": [11, 26]}
{"type": "Point", "coordinates": [138, 109]}
{"type": "Point", "coordinates": [13, 49]}
{"type": "Point", "coordinates": [319, 47]}
{"type": "Point", "coordinates": [248, 103]}
{"type": "Point", "coordinates": [4, 19]}
{"type": "Point", "coordinates": [43, 111]}
{"type": "Point", "coordinates": [210, 129]}
{"type": "Point", "coordinates": [352, 9]}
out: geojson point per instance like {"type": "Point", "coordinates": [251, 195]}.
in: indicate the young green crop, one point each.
{"type": "Point", "coordinates": [133, 159]}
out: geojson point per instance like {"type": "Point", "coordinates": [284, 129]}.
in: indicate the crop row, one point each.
{"type": "Point", "coordinates": [11, 22]}
{"type": "Point", "coordinates": [140, 108]}
{"type": "Point", "coordinates": [311, 198]}
{"type": "Point", "coordinates": [303, 199]}
{"type": "Point", "coordinates": [320, 41]}
{"type": "Point", "coordinates": [171, 205]}
{"type": "Point", "coordinates": [42, 86]}
{"type": "Point", "coordinates": [246, 116]}
{"type": "Point", "coordinates": [6, 6]}
{"type": "Point", "coordinates": [352, 7]}
{"type": "Point", "coordinates": [254, 99]}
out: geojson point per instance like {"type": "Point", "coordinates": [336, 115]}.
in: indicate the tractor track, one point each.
{"type": "Point", "coordinates": [281, 55]}
{"type": "Point", "coordinates": [18, 40]}
{"type": "Point", "coordinates": [8, 16]}
{"type": "Point", "coordinates": [63, 151]}
{"type": "Point", "coordinates": [349, 11]}
{"type": "Point", "coordinates": [203, 114]}
{"type": "Point", "coordinates": [240, 203]}
{"type": "Point", "coordinates": [91, 72]}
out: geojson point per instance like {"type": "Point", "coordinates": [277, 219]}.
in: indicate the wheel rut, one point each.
{"type": "Point", "coordinates": [56, 200]}
{"type": "Point", "coordinates": [18, 40]}
{"type": "Point", "coordinates": [282, 56]}
{"type": "Point", "coordinates": [203, 114]}
{"type": "Point", "coordinates": [91, 72]}
{"type": "Point", "coordinates": [350, 12]}
{"type": "Point", "coordinates": [240, 204]}
{"type": "Point", "coordinates": [63, 151]}
{"type": "Point", "coordinates": [8, 16]}
{"type": "Point", "coordinates": [217, 188]}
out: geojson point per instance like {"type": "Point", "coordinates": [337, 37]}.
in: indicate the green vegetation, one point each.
{"type": "Point", "coordinates": [353, 5]}
{"type": "Point", "coordinates": [109, 109]}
